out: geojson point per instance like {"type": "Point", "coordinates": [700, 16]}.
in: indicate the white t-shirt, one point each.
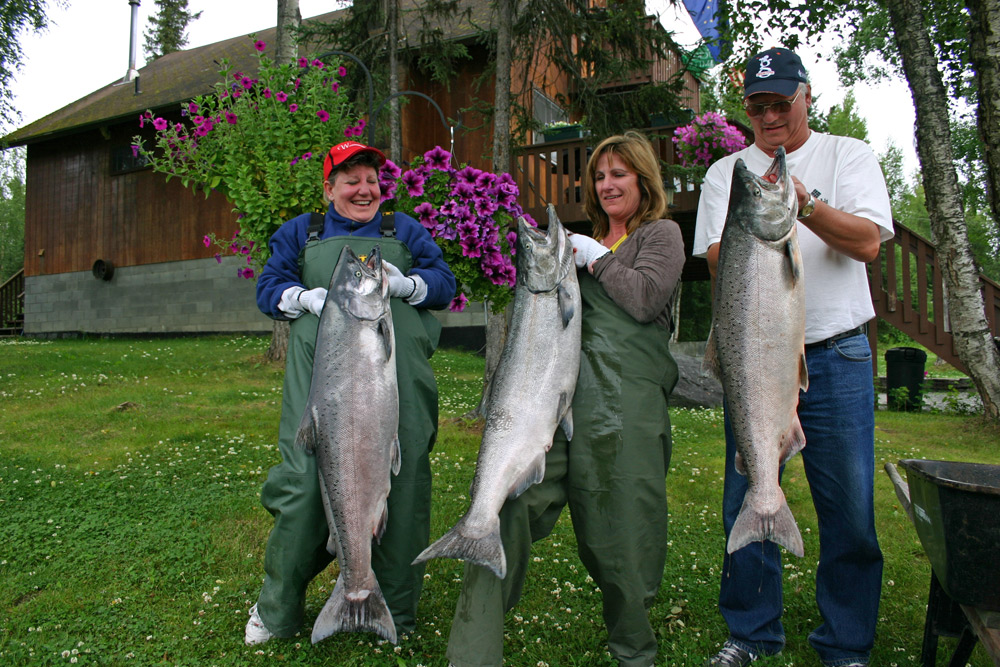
{"type": "Point", "coordinates": [848, 177]}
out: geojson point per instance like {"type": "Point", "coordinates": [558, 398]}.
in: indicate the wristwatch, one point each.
{"type": "Point", "coordinates": [807, 208]}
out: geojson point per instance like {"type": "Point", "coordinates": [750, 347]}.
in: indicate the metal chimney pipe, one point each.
{"type": "Point", "coordinates": [132, 72]}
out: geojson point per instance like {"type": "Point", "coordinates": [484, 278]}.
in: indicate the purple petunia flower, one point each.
{"type": "Point", "coordinates": [459, 303]}
{"type": "Point", "coordinates": [231, 118]}
{"type": "Point", "coordinates": [260, 45]}
{"type": "Point", "coordinates": [267, 93]}
{"type": "Point", "coordinates": [295, 161]}
{"type": "Point", "coordinates": [437, 158]}
{"type": "Point", "coordinates": [192, 108]}
{"type": "Point", "coordinates": [303, 62]}
{"type": "Point", "coordinates": [135, 150]}
{"type": "Point", "coordinates": [335, 86]}
{"type": "Point", "coordinates": [323, 115]}
{"type": "Point", "coordinates": [281, 96]}
{"type": "Point", "coordinates": [218, 258]}
{"type": "Point", "coordinates": [414, 183]}
{"type": "Point", "coordinates": [160, 124]}
{"type": "Point", "coordinates": [389, 171]}
{"type": "Point", "coordinates": [206, 240]}
{"type": "Point", "coordinates": [318, 63]}
{"type": "Point", "coordinates": [292, 108]}
{"type": "Point", "coordinates": [341, 71]}
{"type": "Point", "coordinates": [307, 155]}
{"type": "Point", "coordinates": [426, 214]}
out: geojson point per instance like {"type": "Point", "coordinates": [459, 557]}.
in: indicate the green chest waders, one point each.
{"type": "Point", "coordinates": [296, 548]}
{"type": "Point", "coordinates": [612, 475]}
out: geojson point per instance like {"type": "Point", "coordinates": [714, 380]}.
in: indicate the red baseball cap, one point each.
{"type": "Point", "coordinates": [346, 150]}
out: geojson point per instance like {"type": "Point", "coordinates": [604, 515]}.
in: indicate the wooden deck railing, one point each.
{"type": "Point", "coordinates": [12, 304]}
{"type": "Point", "coordinates": [552, 172]}
{"type": "Point", "coordinates": [908, 291]}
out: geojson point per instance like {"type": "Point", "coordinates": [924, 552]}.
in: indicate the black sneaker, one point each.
{"type": "Point", "coordinates": [731, 655]}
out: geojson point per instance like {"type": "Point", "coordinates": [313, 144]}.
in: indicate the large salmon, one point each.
{"type": "Point", "coordinates": [756, 347]}
{"type": "Point", "coordinates": [532, 393]}
{"type": "Point", "coordinates": [350, 422]}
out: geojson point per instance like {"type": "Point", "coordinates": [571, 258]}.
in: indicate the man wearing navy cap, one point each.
{"type": "Point", "coordinates": [844, 216]}
{"type": "Point", "coordinates": [293, 286]}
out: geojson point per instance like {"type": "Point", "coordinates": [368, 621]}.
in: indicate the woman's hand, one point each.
{"type": "Point", "coordinates": [586, 250]}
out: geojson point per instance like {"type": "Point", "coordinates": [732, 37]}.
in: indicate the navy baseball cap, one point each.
{"type": "Point", "coordinates": [774, 71]}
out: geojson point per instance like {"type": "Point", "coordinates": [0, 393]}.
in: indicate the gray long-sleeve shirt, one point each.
{"type": "Point", "coordinates": [642, 275]}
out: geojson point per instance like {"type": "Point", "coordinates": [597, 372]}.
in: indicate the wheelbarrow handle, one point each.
{"type": "Point", "coordinates": [901, 487]}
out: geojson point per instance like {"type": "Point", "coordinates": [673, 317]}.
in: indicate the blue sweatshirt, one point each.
{"type": "Point", "coordinates": [282, 269]}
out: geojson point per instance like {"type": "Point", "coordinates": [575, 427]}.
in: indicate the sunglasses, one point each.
{"type": "Point", "coordinates": [784, 106]}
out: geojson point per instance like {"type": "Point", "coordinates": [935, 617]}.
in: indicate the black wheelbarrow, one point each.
{"type": "Point", "coordinates": [955, 507]}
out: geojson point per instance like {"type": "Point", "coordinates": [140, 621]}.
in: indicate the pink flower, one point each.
{"type": "Point", "coordinates": [160, 124]}
{"type": "Point", "coordinates": [281, 97]}
{"type": "Point", "coordinates": [341, 71]}
{"type": "Point", "coordinates": [292, 108]}
{"type": "Point", "coordinates": [303, 62]}
{"type": "Point", "coordinates": [459, 303]}
{"type": "Point", "coordinates": [206, 240]}
{"type": "Point", "coordinates": [260, 45]}
{"type": "Point", "coordinates": [218, 258]}
{"type": "Point", "coordinates": [317, 63]}
{"type": "Point", "coordinates": [267, 93]}
{"type": "Point", "coordinates": [192, 108]}
{"type": "Point", "coordinates": [323, 116]}
{"type": "Point", "coordinates": [231, 118]}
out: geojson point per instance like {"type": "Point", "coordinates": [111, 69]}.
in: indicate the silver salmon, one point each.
{"type": "Point", "coordinates": [351, 424]}
{"type": "Point", "coordinates": [757, 345]}
{"type": "Point", "coordinates": [532, 393]}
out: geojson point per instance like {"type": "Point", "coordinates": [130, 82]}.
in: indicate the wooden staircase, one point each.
{"type": "Point", "coordinates": [908, 291]}
{"type": "Point", "coordinates": [12, 306]}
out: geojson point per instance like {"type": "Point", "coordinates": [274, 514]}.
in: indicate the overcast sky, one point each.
{"type": "Point", "coordinates": [87, 45]}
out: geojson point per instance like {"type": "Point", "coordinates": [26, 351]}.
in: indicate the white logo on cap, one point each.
{"type": "Point", "coordinates": [765, 68]}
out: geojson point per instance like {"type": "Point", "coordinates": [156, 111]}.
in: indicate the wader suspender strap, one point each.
{"type": "Point", "coordinates": [388, 225]}
{"type": "Point", "coordinates": [316, 221]}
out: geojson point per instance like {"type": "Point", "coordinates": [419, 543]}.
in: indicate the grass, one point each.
{"type": "Point", "coordinates": [132, 532]}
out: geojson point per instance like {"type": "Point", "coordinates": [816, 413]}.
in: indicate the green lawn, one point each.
{"type": "Point", "coordinates": [132, 533]}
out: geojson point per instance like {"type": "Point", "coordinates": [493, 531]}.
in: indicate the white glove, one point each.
{"type": "Point", "coordinates": [586, 250]}
{"type": "Point", "coordinates": [401, 286]}
{"type": "Point", "coordinates": [312, 300]}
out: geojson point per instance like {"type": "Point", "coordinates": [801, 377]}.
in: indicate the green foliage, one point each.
{"type": "Point", "coordinates": [11, 212]}
{"type": "Point", "coordinates": [695, 319]}
{"type": "Point", "coordinates": [844, 120]}
{"type": "Point", "coordinates": [16, 16]}
{"type": "Point", "coordinates": [260, 141]}
{"type": "Point", "coordinates": [166, 33]}
{"type": "Point", "coordinates": [130, 474]}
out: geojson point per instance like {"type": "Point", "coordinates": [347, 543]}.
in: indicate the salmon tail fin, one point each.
{"type": "Point", "coordinates": [486, 551]}
{"type": "Point", "coordinates": [710, 364]}
{"type": "Point", "coordinates": [756, 525]}
{"type": "Point", "coordinates": [369, 613]}
{"type": "Point", "coordinates": [793, 441]}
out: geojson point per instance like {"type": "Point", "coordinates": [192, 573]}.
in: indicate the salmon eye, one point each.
{"type": "Point", "coordinates": [357, 274]}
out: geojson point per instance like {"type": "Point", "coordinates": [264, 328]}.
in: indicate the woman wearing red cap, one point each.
{"type": "Point", "coordinates": [292, 286]}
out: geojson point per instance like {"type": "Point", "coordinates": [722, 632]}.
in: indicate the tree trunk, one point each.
{"type": "Point", "coordinates": [278, 350]}
{"type": "Point", "coordinates": [966, 309]}
{"type": "Point", "coordinates": [392, 32]}
{"type": "Point", "coordinates": [496, 325]}
{"type": "Point", "coordinates": [285, 51]}
{"type": "Point", "coordinates": [984, 51]}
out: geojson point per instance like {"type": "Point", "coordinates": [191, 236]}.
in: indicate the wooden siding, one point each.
{"type": "Point", "coordinates": [77, 211]}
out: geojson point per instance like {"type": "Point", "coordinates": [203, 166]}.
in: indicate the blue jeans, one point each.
{"type": "Point", "coordinates": [838, 418]}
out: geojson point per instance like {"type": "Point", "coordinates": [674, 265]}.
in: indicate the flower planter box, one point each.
{"type": "Point", "coordinates": [563, 133]}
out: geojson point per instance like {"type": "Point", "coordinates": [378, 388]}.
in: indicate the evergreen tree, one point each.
{"type": "Point", "coordinates": [166, 33]}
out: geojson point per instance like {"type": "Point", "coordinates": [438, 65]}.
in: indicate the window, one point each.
{"type": "Point", "coordinates": [124, 160]}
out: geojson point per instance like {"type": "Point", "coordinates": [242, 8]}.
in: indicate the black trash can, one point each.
{"type": "Point", "coordinates": [904, 378]}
